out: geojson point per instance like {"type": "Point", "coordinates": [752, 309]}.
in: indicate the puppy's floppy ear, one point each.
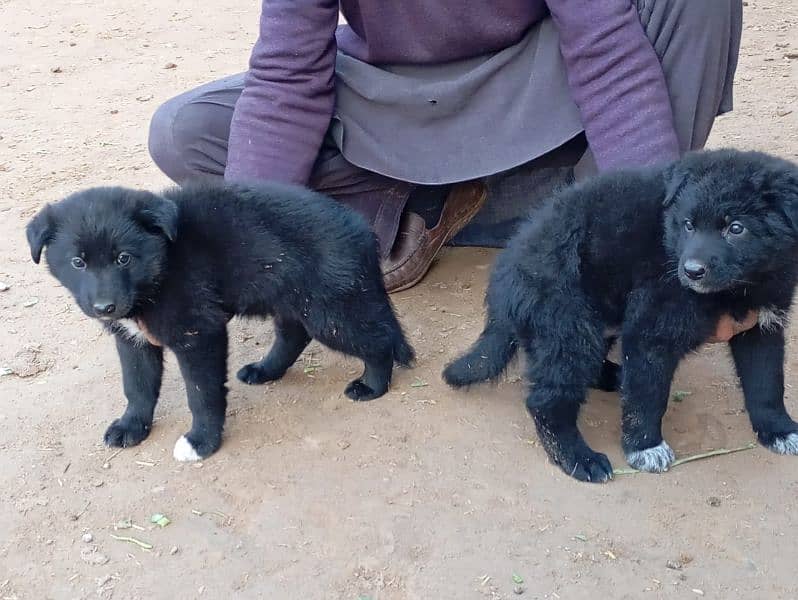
{"type": "Point", "coordinates": [675, 177]}
{"type": "Point", "coordinates": [159, 214]}
{"type": "Point", "coordinates": [41, 231]}
{"type": "Point", "coordinates": [784, 189]}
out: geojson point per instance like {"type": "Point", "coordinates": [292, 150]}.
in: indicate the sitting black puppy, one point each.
{"type": "Point", "coordinates": [175, 268]}
{"type": "Point", "coordinates": [661, 254]}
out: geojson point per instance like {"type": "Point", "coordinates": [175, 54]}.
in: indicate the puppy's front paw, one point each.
{"type": "Point", "coordinates": [652, 460]}
{"type": "Point", "coordinates": [786, 443]}
{"type": "Point", "coordinates": [188, 449]}
{"type": "Point", "coordinates": [588, 466]}
{"type": "Point", "coordinates": [123, 433]}
{"type": "Point", "coordinates": [357, 390]}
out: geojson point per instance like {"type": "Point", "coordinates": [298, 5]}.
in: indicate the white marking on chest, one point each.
{"type": "Point", "coordinates": [132, 330]}
{"type": "Point", "coordinates": [653, 460]}
{"type": "Point", "coordinates": [184, 451]}
{"type": "Point", "coordinates": [772, 318]}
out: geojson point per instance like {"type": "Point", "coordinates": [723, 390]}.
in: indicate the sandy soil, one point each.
{"type": "Point", "coordinates": [424, 493]}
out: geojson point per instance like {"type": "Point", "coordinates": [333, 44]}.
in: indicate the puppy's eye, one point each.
{"type": "Point", "coordinates": [736, 228]}
{"type": "Point", "coordinates": [688, 225]}
{"type": "Point", "coordinates": [78, 263]}
{"type": "Point", "coordinates": [123, 259]}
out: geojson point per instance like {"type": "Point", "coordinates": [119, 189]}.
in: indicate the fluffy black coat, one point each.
{"type": "Point", "coordinates": [175, 268]}
{"type": "Point", "coordinates": [661, 254]}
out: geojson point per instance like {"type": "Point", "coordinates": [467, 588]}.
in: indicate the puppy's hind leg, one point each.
{"type": "Point", "coordinates": [291, 339]}
{"type": "Point", "coordinates": [374, 381]}
{"type": "Point", "coordinates": [610, 378]}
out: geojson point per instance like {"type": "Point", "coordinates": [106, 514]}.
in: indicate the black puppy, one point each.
{"type": "Point", "coordinates": [175, 268]}
{"type": "Point", "coordinates": [661, 254]}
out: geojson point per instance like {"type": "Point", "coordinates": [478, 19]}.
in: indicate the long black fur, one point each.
{"type": "Point", "coordinates": [661, 254]}
{"type": "Point", "coordinates": [196, 257]}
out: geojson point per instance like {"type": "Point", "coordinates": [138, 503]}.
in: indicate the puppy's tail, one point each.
{"type": "Point", "coordinates": [486, 359]}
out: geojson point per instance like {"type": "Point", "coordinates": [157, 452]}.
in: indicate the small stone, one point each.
{"type": "Point", "coordinates": [145, 98]}
{"type": "Point", "coordinates": [87, 538]}
{"type": "Point", "coordinates": [713, 501]}
{"type": "Point", "coordinates": [174, 550]}
{"type": "Point", "coordinates": [98, 483]}
{"type": "Point", "coordinates": [170, 65]}
{"type": "Point", "coordinates": [698, 592]}
{"type": "Point", "coordinates": [518, 590]}
{"type": "Point", "coordinates": [55, 70]}
{"type": "Point", "coordinates": [106, 465]}
{"type": "Point", "coordinates": [4, 287]}
{"type": "Point", "coordinates": [343, 444]}
{"type": "Point", "coordinates": [201, 590]}
{"type": "Point", "coordinates": [32, 302]}
{"type": "Point", "coordinates": [674, 564]}
{"type": "Point", "coordinates": [114, 111]}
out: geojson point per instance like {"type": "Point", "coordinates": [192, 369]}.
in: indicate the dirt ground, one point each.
{"type": "Point", "coordinates": [422, 494]}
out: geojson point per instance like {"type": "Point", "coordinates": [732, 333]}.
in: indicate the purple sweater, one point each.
{"type": "Point", "coordinates": [288, 99]}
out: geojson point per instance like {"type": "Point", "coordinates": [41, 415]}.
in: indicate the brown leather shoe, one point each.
{"type": "Point", "coordinates": [416, 246]}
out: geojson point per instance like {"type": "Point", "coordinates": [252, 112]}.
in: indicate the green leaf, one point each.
{"type": "Point", "coordinates": [518, 579]}
{"type": "Point", "coordinates": [680, 395]}
{"type": "Point", "coordinates": [160, 520]}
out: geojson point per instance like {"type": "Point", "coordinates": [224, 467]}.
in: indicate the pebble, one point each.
{"type": "Point", "coordinates": [713, 501]}
{"type": "Point", "coordinates": [343, 445]}
{"type": "Point", "coordinates": [87, 538]}
{"type": "Point", "coordinates": [518, 590]}
{"type": "Point", "coordinates": [31, 302]}
{"type": "Point", "coordinates": [698, 592]}
{"type": "Point", "coordinates": [170, 65]}
{"type": "Point", "coordinates": [56, 70]}
{"type": "Point", "coordinates": [4, 287]}
{"type": "Point", "coordinates": [174, 550]}
{"type": "Point", "coordinates": [674, 564]}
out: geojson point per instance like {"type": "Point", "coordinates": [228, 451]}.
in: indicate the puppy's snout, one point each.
{"type": "Point", "coordinates": [104, 309]}
{"type": "Point", "coordinates": [694, 269]}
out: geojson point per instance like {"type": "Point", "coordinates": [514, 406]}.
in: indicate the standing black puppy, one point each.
{"type": "Point", "coordinates": [174, 268]}
{"type": "Point", "coordinates": [662, 254]}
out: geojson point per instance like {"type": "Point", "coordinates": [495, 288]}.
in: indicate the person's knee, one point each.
{"type": "Point", "coordinates": [185, 141]}
{"type": "Point", "coordinates": [162, 145]}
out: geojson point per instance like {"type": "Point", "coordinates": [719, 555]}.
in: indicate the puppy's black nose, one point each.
{"type": "Point", "coordinates": [104, 308]}
{"type": "Point", "coordinates": [694, 269]}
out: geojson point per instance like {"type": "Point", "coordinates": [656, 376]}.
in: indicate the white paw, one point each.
{"type": "Point", "coordinates": [652, 460]}
{"type": "Point", "coordinates": [184, 451]}
{"type": "Point", "coordinates": [785, 445]}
